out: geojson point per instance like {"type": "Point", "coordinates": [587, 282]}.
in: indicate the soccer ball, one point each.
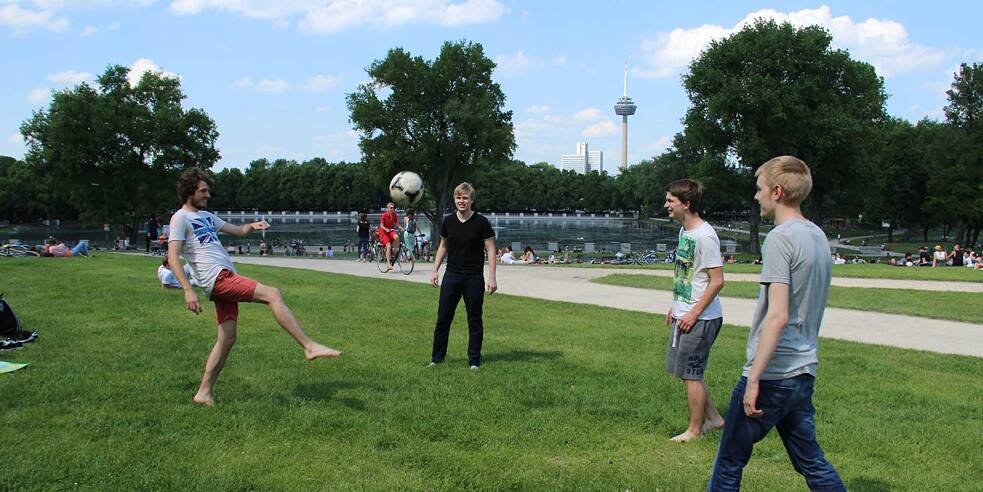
{"type": "Point", "coordinates": [406, 188]}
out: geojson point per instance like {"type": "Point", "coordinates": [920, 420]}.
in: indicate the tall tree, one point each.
{"type": "Point", "coordinates": [115, 151]}
{"type": "Point", "coordinates": [957, 189]}
{"type": "Point", "coordinates": [774, 89]}
{"type": "Point", "coordinates": [439, 118]}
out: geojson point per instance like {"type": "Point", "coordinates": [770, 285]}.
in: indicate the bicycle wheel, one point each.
{"type": "Point", "coordinates": [380, 258]}
{"type": "Point", "coordinates": [407, 261]}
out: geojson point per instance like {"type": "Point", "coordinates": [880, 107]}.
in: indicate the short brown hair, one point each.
{"type": "Point", "coordinates": [464, 188]}
{"type": "Point", "coordinates": [791, 174]}
{"type": "Point", "coordinates": [187, 184]}
{"type": "Point", "coordinates": [687, 191]}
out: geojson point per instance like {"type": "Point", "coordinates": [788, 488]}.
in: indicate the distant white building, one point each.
{"type": "Point", "coordinates": [584, 161]}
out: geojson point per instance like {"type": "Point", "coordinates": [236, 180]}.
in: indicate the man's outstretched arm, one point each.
{"type": "Point", "coordinates": [242, 230]}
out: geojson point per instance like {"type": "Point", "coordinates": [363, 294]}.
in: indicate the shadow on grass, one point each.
{"type": "Point", "coordinates": [326, 391]}
{"type": "Point", "coordinates": [869, 485]}
{"type": "Point", "coordinates": [522, 356]}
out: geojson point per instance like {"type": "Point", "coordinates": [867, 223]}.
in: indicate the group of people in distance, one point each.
{"type": "Point", "coordinates": [958, 257]}
{"type": "Point", "coordinates": [776, 385]}
{"type": "Point", "coordinates": [388, 234]}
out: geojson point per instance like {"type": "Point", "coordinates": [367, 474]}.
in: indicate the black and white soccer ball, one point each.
{"type": "Point", "coordinates": [406, 188]}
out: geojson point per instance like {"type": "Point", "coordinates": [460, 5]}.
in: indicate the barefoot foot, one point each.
{"type": "Point", "coordinates": [686, 437]}
{"type": "Point", "coordinates": [712, 425]}
{"type": "Point", "coordinates": [206, 400]}
{"type": "Point", "coordinates": [316, 351]}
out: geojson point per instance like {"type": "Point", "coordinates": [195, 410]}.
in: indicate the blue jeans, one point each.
{"type": "Point", "coordinates": [363, 247]}
{"type": "Point", "coordinates": [787, 405]}
{"type": "Point", "coordinates": [82, 248]}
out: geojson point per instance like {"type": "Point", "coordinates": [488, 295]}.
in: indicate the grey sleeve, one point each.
{"type": "Point", "coordinates": [777, 266]}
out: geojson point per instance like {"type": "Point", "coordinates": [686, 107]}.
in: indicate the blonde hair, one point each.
{"type": "Point", "coordinates": [464, 188]}
{"type": "Point", "coordinates": [791, 174]}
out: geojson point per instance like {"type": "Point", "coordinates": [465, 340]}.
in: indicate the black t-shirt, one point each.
{"type": "Point", "coordinates": [957, 258]}
{"type": "Point", "coordinates": [465, 242]}
{"type": "Point", "coordinates": [152, 228]}
{"type": "Point", "coordinates": [924, 257]}
{"type": "Point", "coordinates": [363, 229]}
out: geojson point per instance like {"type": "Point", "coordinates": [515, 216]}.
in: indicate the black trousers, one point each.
{"type": "Point", "coordinates": [471, 286]}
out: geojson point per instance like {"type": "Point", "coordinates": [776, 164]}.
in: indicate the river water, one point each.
{"type": "Point", "coordinates": [606, 234]}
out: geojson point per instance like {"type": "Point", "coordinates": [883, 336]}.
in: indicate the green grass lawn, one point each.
{"type": "Point", "coordinates": [945, 274]}
{"type": "Point", "coordinates": [956, 306]}
{"type": "Point", "coordinates": [570, 397]}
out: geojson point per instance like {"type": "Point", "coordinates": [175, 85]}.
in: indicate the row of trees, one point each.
{"type": "Point", "coordinates": [768, 90]}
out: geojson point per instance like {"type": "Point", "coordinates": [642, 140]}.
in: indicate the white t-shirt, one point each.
{"type": "Point", "coordinates": [698, 250]}
{"type": "Point", "coordinates": [202, 249]}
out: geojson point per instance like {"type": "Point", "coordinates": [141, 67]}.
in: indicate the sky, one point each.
{"type": "Point", "coordinates": [274, 75]}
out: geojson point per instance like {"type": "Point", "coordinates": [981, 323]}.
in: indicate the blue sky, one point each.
{"type": "Point", "coordinates": [274, 75]}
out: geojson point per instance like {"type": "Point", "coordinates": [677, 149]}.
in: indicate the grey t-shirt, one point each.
{"type": "Point", "coordinates": [795, 253]}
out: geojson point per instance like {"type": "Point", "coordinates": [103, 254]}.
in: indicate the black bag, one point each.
{"type": "Point", "coordinates": [10, 326]}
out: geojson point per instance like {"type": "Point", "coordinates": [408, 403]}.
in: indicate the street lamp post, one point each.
{"type": "Point", "coordinates": [105, 211]}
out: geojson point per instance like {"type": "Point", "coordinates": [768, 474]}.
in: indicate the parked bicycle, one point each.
{"type": "Point", "coordinates": [16, 248]}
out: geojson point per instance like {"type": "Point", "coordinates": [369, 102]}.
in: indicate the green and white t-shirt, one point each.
{"type": "Point", "coordinates": [698, 250]}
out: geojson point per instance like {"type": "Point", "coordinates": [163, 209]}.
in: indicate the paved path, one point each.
{"type": "Point", "coordinates": [572, 285]}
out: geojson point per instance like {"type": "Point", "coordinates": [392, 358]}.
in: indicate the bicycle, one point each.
{"type": "Point", "coordinates": [403, 261]}
{"type": "Point", "coordinates": [16, 249]}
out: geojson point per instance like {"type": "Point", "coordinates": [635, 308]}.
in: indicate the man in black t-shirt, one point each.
{"type": "Point", "coordinates": [465, 238]}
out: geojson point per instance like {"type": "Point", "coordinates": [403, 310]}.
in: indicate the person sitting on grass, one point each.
{"type": "Point", "coordinates": [508, 257]}
{"type": "Point", "coordinates": [167, 278]}
{"type": "Point", "coordinates": [939, 257]}
{"type": "Point", "coordinates": [194, 233]}
{"type": "Point", "coordinates": [528, 255]}
{"type": "Point", "coordinates": [54, 248]}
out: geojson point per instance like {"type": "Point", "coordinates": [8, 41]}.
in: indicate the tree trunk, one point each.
{"type": "Point", "coordinates": [755, 247]}
{"type": "Point", "coordinates": [925, 233]}
{"type": "Point", "coordinates": [890, 232]}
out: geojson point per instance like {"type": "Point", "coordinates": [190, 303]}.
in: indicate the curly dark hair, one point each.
{"type": "Point", "coordinates": [187, 184]}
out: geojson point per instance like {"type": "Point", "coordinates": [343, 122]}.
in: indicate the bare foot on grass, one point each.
{"type": "Point", "coordinates": [686, 437]}
{"type": "Point", "coordinates": [712, 425]}
{"type": "Point", "coordinates": [206, 400]}
{"type": "Point", "coordinates": [316, 351]}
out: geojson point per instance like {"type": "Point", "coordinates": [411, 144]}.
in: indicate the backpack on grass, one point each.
{"type": "Point", "coordinates": [11, 330]}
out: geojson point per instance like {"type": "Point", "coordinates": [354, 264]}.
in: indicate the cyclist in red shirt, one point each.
{"type": "Point", "coordinates": [387, 232]}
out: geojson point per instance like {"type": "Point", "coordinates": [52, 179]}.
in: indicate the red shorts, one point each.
{"type": "Point", "coordinates": [231, 289]}
{"type": "Point", "coordinates": [387, 237]}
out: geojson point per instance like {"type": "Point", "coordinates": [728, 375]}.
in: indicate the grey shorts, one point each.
{"type": "Point", "coordinates": [688, 352]}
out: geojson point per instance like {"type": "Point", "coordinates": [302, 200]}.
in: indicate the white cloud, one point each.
{"type": "Point", "coordinates": [660, 144]}
{"type": "Point", "coordinates": [23, 20]}
{"type": "Point", "coordinates": [39, 95]}
{"type": "Point", "coordinates": [144, 65]}
{"type": "Point", "coordinates": [327, 16]}
{"type": "Point", "coordinates": [515, 64]}
{"type": "Point", "coordinates": [320, 83]}
{"type": "Point", "coordinates": [520, 63]}
{"type": "Point", "coordinates": [275, 86]}
{"type": "Point", "coordinates": [70, 77]}
{"type": "Point", "coordinates": [88, 31]}
{"type": "Point", "coordinates": [600, 129]}
{"type": "Point", "coordinates": [588, 114]}
{"type": "Point", "coordinates": [538, 109]}
{"type": "Point", "coordinates": [317, 83]}
{"type": "Point", "coordinates": [881, 42]}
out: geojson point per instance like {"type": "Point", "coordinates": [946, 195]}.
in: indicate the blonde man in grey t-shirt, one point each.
{"type": "Point", "coordinates": [696, 314]}
{"type": "Point", "coordinates": [777, 383]}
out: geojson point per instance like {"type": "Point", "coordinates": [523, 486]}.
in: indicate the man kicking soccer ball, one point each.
{"type": "Point", "coordinates": [194, 233]}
